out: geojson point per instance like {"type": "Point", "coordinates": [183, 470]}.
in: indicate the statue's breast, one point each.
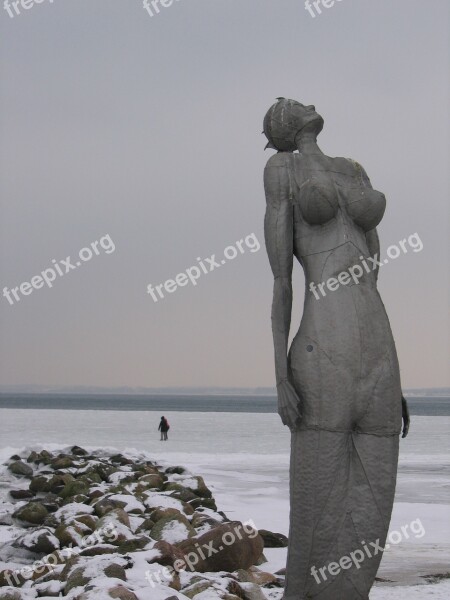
{"type": "Point", "coordinates": [317, 201]}
{"type": "Point", "coordinates": [364, 206]}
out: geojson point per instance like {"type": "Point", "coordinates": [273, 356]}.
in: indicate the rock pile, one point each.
{"type": "Point", "coordinates": [94, 526]}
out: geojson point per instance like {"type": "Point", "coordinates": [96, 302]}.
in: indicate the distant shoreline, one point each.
{"type": "Point", "coordinates": [426, 405]}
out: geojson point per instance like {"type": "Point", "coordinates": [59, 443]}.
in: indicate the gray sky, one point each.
{"type": "Point", "coordinates": [149, 129]}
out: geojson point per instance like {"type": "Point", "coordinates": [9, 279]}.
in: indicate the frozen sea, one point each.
{"type": "Point", "coordinates": [244, 458]}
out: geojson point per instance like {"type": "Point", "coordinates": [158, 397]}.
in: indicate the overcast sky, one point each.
{"type": "Point", "coordinates": [148, 129]}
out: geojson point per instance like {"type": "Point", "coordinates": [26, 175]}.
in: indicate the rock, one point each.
{"type": "Point", "coordinates": [261, 560]}
{"type": "Point", "coordinates": [33, 457]}
{"type": "Point", "coordinates": [41, 541]}
{"type": "Point", "coordinates": [18, 467]}
{"type": "Point", "coordinates": [197, 588]}
{"type": "Point", "coordinates": [73, 488]}
{"type": "Point", "coordinates": [168, 554]}
{"type": "Point", "coordinates": [10, 594]}
{"type": "Point", "coordinates": [77, 451]}
{"type": "Point", "coordinates": [254, 575]}
{"type": "Point", "coordinates": [115, 571]}
{"type": "Point", "coordinates": [75, 579]}
{"type": "Point", "coordinates": [152, 481]}
{"type": "Point", "coordinates": [198, 486]}
{"type": "Point", "coordinates": [39, 484]}
{"type": "Point", "coordinates": [273, 540]}
{"type": "Point", "coordinates": [69, 535]}
{"type": "Point", "coordinates": [252, 592]}
{"type": "Point", "coordinates": [122, 593]}
{"type": "Point", "coordinates": [147, 525]}
{"type": "Point", "coordinates": [62, 462]}
{"type": "Point", "coordinates": [49, 589]}
{"type": "Point", "coordinates": [234, 547]}
{"type": "Point", "coordinates": [175, 470]}
{"type": "Point", "coordinates": [119, 459]}
{"type": "Point", "coordinates": [86, 521]}
{"type": "Point", "coordinates": [163, 513]}
{"type": "Point", "coordinates": [134, 544]}
{"type": "Point", "coordinates": [33, 513]}
{"type": "Point", "coordinates": [105, 505]}
{"type": "Point", "coordinates": [201, 520]}
{"type": "Point", "coordinates": [173, 529]}
{"type": "Point", "coordinates": [180, 492]}
{"type": "Point", "coordinates": [20, 494]}
{"type": "Point", "coordinates": [98, 550]}
{"type": "Point", "coordinates": [117, 514]}
{"type": "Point", "coordinates": [235, 589]}
{"type": "Point", "coordinates": [205, 502]}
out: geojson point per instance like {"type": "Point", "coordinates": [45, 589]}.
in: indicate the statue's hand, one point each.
{"type": "Point", "coordinates": [405, 417]}
{"type": "Point", "coordinates": [289, 404]}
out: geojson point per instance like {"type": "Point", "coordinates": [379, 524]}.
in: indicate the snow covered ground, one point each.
{"type": "Point", "coordinates": [244, 459]}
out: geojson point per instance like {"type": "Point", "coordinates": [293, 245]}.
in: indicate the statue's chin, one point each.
{"type": "Point", "coordinates": [314, 125]}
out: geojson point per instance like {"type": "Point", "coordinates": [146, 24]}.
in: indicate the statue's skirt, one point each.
{"type": "Point", "coordinates": [342, 492]}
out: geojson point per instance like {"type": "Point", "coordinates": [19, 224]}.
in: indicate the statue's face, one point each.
{"type": "Point", "coordinates": [286, 119]}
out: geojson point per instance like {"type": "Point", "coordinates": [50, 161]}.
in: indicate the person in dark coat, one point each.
{"type": "Point", "coordinates": [163, 428]}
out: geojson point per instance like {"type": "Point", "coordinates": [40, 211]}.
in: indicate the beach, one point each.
{"type": "Point", "coordinates": [244, 458]}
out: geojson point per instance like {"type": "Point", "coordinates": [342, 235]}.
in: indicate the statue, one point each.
{"type": "Point", "coordinates": [338, 386]}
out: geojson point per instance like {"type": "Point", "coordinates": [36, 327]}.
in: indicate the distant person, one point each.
{"type": "Point", "coordinates": [164, 428]}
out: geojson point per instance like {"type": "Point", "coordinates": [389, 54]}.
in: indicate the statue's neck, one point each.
{"type": "Point", "coordinates": [307, 144]}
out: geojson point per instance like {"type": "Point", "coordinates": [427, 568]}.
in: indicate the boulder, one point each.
{"type": "Point", "coordinates": [122, 593]}
{"type": "Point", "coordinates": [133, 544]}
{"type": "Point", "coordinates": [75, 579]}
{"type": "Point", "coordinates": [154, 480]}
{"type": "Point", "coordinates": [173, 529]}
{"type": "Point", "coordinates": [252, 592]}
{"type": "Point", "coordinates": [175, 470]}
{"type": "Point", "coordinates": [163, 513]}
{"type": "Point", "coordinates": [10, 594]}
{"type": "Point", "coordinates": [73, 488]}
{"type": "Point", "coordinates": [18, 467]}
{"type": "Point", "coordinates": [69, 535]}
{"type": "Point", "coordinates": [115, 571]}
{"type": "Point", "coordinates": [77, 451]}
{"type": "Point", "coordinates": [203, 502]}
{"type": "Point", "coordinates": [41, 540]}
{"type": "Point", "coordinates": [197, 588]}
{"type": "Point", "coordinates": [146, 525]}
{"type": "Point", "coordinates": [198, 486]}
{"type": "Point", "coordinates": [273, 540]}
{"type": "Point", "coordinates": [232, 547]}
{"type": "Point", "coordinates": [254, 575]}
{"type": "Point", "coordinates": [62, 462]}
{"type": "Point", "coordinates": [168, 554]}
{"type": "Point", "coordinates": [21, 494]}
{"type": "Point", "coordinates": [33, 513]}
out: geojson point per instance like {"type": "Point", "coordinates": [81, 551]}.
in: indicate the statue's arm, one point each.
{"type": "Point", "coordinates": [279, 234]}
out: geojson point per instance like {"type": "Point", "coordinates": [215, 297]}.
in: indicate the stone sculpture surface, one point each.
{"type": "Point", "coordinates": [338, 384]}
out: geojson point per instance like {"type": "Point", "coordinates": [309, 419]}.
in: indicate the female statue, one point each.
{"type": "Point", "coordinates": [339, 385]}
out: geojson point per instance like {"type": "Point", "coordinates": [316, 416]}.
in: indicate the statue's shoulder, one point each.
{"type": "Point", "coordinates": [280, 160]}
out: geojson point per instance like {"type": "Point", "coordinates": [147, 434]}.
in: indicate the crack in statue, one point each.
{"type": "Point", "coordinates": [339, 383]}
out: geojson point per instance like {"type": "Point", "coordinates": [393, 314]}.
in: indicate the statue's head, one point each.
{"type": "Point", "coordinates": [285, 119]}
